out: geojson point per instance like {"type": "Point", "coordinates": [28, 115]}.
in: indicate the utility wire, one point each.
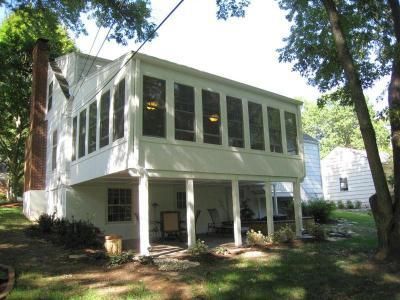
{"type": "Point", "coordinates": [87, 57]}
{"type": "Point", "coordinates": [137, 50]}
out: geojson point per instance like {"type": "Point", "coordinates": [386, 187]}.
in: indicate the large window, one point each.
{"type": "Point", "coordinates": [153, 107]}
{"type": "Point", "coordinates": [104, 119]}
{"type": "Point", "coordinates": [235, 121]}
{"type": "Point", "coordinates": [184, 112]}
{"type": "Point", "coordinates": [275, 132]}
{"type": "Point", "coordinates": [291, 133]}
{"type": "Point", "coordinates": [50, 96]}
{"type": "Point", "coordinates": [119, 104]}
{"type": "Point", "coordinates": [211, 118]}
{"type": "Point", "coordinates": [82, 133]}
{"type": "Point", "coordinates": [256, 126]}
{"type": "Point", "coordinates": [74, 129]}
{"type": "Point", "coordinates": [92, 127]}
{"type": "Point", "coordinates": [54, 151]}
{"type": "Point", "coordinates": [119, 205]}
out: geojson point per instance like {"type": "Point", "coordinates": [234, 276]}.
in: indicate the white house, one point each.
{"type": "Point", "coordinates": [140, 136]}
{"type": "Point", "coordinates": [346, 175]}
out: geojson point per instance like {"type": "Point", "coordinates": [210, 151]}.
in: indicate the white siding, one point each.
{"type": "Point", "coordinates": [350, 164]}
{"type": "Point", "coordinates": [312, 184]}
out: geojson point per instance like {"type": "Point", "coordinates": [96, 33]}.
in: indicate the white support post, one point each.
{"type": "Point", "coordinates": [190, 218]}
{"type": "Point", "coordinates": [144, 214]}
{"type": "Point", "coordinates": [297, 208]}
{"type": "Point", "coordinates": [237, 227]}
{"type": "Point", "coordinates": [269, 207]}
{"type": "Point", "coordinates": [275, 200]}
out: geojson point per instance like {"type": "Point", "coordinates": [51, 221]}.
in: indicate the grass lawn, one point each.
{"type": "Point", "coordinates": [328, 270]}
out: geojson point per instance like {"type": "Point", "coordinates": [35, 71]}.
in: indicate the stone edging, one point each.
{"type": "Point", "coordinates": [10, 282]}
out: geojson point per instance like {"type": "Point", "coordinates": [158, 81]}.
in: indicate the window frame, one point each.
{"type": "Point", "coordinates": [128, 206]}
{"type": "Point", "coordinates": [74, 137]}
{"type": "Point", "coordinates": [274, 129]}
{"type": "Point", "coordinates": [149, 115]}
{"type": "Point", "coordinates": [119, 111]}
{"type": "Point", "coordinates": [345, 182]}
{"type": "Point", "coordinates": [292, 133]}
{"type": "Point", "coordinates": [254, 127]}
{"type": "Point", "coordinates": [191, 113]}
{"type": "Point", "coordinates": [104, 122]}
{"type": "Point", "coordinates": [92, 130]}
{"type": "Point", "coordinates": [82, 133]}
{"type": "Point", "coordinates": [180, 200]}
{"type": "Point", "coordinates": [207, 113]}
{"type": "Point", "coordinates": [233, 120]}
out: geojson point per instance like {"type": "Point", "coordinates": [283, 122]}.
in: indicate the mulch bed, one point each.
{"type": "Point", "coordinates": [12, 204]}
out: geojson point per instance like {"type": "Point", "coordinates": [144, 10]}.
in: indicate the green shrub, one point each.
{"type": "Point", "coordinates": [357, 204]}
{"type": "Point", "coordinates": [283, 235]}
{"type": "Point", "coordinates": [255, 238]}
{"type": "Point", "coordinates": [320, 209]}
{"type": "Point", "coordinates": [3, 197]}
{"type": "Point", "coordinates": [123, 258]}
{"type": "Point", "coordinates": [317, 231]}
{"type": "Point", "coordinates": [45, 223]}
{"type": "Point", "coordinates": [70, 234]}
{"type": "Point", "coordinates": [349, 204]}
{"type": "Point", "coordinates": [220, 250]}
{"type": "Point", "coordinates": [340, 204]}
{"type": "Point", "coordinates": [199, 248]}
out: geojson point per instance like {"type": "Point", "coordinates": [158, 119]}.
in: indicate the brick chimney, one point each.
{"type": "Point", "coordinates": [35, 148]}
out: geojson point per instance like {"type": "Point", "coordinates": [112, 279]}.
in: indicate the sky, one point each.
{"type": "Point", "coordinates": [242, 49]}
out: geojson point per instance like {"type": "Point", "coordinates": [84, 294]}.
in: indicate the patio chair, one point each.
{"type": "Point", "coordinates": [170, 224]}
{"type": "Point", "coordinates": [216, 225]}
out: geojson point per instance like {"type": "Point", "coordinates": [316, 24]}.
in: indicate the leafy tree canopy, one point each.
{"type": "Point", "coordinates": [336, 125]}
{"type": "Point", "coordinates": [129, 19]}
{"type": "Point", "coordinates": [18, 35]}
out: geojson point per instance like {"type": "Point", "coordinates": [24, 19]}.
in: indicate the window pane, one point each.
{"type": "Point", "coordinates": [82, 133]}
{"type": "Point", "coordinates": [119, 205]}
{"type": "Point", "coordinates": [92, 127]}
{"type": "Point", "coordinates": [153, 107]}
{"type": "Point", "coordinates": [235, 121]}
{"type": "Point", "coordinates": [211, 118]}
{"type": "Point", "coordinates": [275, 132]}
{"type": "Point", "coordinates": [104, 118]}
{"type": "Point", "coordinates": [50, 96]}
{"type": "Point", "coordinates": [74, 128]}
{"type": "Point", "coordinates": [291, 133]}
{"type": "Point", "coordinates": [119, 105]}
{"type": "Point", "coordinates": [256, 126]}
{"type": "Point", "coordinates": [54, 151]}
{"type": "Point", "coordinates": [184, 112]}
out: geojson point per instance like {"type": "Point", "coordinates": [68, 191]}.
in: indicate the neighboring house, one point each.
{"type": "Point", "coordinates": [143, 136]}
{"type": "Point", "coordinates": [346, 175]}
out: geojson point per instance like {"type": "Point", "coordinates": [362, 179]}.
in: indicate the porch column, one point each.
{"type": "Point", "coordinates": [297, 208]}
{"type": "Point", "coordinates": [190, 219]}
{"type": "Point", "coordinates": [237, 227]}
{"type": "Point", "coordinates": [269, 207]}
{"type": "Point", "coordinates": [144, 214]}
{"type": "Point", "coordinates": [275, 200]}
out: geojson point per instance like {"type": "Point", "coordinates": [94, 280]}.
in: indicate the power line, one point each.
{"type": "Point", "coordinates": [137, 50]}
{"type": "Point", "coordinates": [87, 57]}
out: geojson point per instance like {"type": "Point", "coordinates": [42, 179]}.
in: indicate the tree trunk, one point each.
{"type": "Point", "coordinates": [382, 208]}
{"type": "Point", "coordinates": [394, 117]}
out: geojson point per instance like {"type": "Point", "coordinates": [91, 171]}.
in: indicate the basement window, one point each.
{"type": "Point", "coordinates": [119, 205]}
{"type": "Point", "coordinates": [343, 184]}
